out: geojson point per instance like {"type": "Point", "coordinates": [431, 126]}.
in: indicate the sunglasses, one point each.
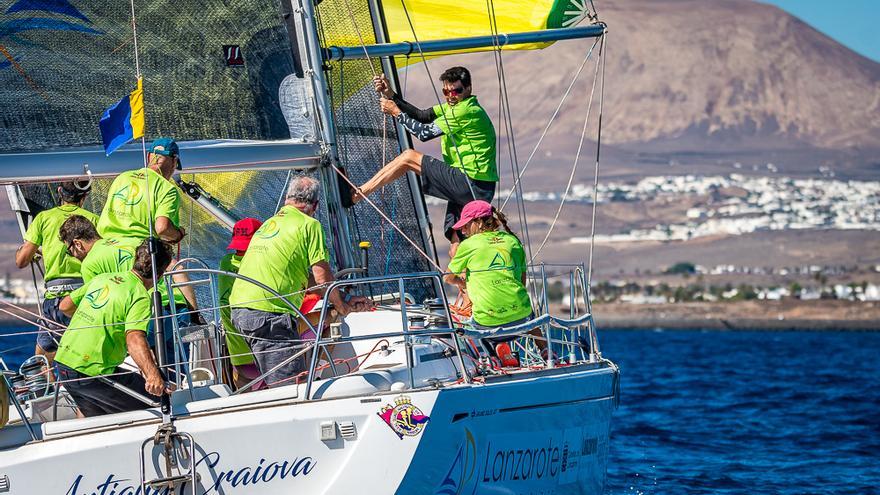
{"type": "Point", "coordinates": [453, 91]}
{"type": "Point", "coordinates": [70, 249]}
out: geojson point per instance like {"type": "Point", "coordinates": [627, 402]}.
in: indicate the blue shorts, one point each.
{"type": "Point", "coordinates": [52, 316]}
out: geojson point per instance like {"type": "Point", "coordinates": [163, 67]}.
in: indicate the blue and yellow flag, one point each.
{"type": "Point", "coordinates": [123, 121]}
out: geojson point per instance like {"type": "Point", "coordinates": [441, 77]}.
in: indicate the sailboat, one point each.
{"type": "Point", "coordinates": [397, 400]}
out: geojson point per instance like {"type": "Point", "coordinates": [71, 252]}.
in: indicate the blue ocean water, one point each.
{"type": "Point", "coordinates": [732, 412]}
{"type": "Point", "coordinates": [745, 412]}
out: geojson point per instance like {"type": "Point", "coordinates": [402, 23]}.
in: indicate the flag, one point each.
{"type": "Point", "coordinates": [123, 121]}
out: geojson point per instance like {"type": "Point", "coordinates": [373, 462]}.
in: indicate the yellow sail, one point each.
{"type": "Point", "coordinates": [444, 19]}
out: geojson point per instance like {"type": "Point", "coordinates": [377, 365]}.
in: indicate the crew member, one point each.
{"type": "Point", "coordinates": [117, 255]}
{"type": "Point", "coordinates": [467, 137]}
{"type": "Point", "coordinates": [244, 367]}
{"type": "Point", "coordinates": [110, 316]}
{"type": "Point", "coordinates": [62, 270]}
{"type": "Point", "coordinates": [127, 213]}
{"type": "Point", "coordinates": [490, 266]}
{"type": "Point", "coordinates": [279, 255]}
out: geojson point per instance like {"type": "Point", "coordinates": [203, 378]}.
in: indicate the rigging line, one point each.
{"type": "Point", "coordinates": [576, 160]}
{"type": "Point", "coordinates": [436, 94]}
{"type": "Point", "coordinates": [383, 215]}
{"type": "Point", "coordinates": [511, 144]}
{"type": "Point", "coordinates": [360, 37]}
{"type": "Point", "coordinates": [596, 176]}
{"type": "Point", "coordinates": [550, 122]}
{"type": "Point", "coordinates": [31, 313]}
{"type": "Point", "coordinates": [283, 194]}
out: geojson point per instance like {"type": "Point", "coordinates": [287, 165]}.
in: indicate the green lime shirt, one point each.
{"type": "Point", "coordinates": [108, 307]}
{"type": "Point", "coordinates": [239, 350]}
{"type": "Point", "coordinates": [43, 231]}
{"type": "Point", "coordinates": [494, 263]}
{"type": "Point", "coordinates": [467, 125]}
{"type": "Point", "coordinates": [127, 214]}
{"type": "Point", "coordinates": [117, 255]}
{"type": "Point", "coordinates": [279, 255]}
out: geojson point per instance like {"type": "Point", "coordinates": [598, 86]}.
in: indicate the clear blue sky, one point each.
{"type": "Point", "coordinates": [854, 23]}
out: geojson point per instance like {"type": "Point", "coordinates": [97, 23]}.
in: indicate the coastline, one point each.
{"type": "Point", "coordinates": [785, 315]}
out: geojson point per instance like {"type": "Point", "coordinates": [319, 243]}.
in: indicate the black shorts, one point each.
{"type": "Point", "coordinates": [95, 398]}
{"type": "Point", "coordinates": [445, 182]}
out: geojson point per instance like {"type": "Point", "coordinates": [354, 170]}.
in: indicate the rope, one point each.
{"type": "Point", "coordinates": [384, 216]}
{"type": "Point", "coordinates": [434, 88]}
{"type": "Point", "coordinates": [550, 122]}
{"type": "Point", "coordinates": [596, 177]}
{"type": "Point", "coordinates": [576, 160]}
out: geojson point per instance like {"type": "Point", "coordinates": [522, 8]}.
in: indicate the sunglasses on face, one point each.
{"type": "Point", "coordinates": [453, 91]}
{"type": "Point", "coordinates": [70, 249]}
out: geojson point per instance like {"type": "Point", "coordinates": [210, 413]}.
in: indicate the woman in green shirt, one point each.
{"type": "Point", "coordinates": [490, 266]}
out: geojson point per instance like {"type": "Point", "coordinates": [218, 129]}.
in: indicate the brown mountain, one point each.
{"type": "Point", "coordinates": [695, 78]}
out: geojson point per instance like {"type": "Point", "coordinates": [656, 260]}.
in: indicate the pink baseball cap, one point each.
{"type": "Point", "coordinates": [473, 210]}
{"type": "Point", "coordinates": [242, 233]}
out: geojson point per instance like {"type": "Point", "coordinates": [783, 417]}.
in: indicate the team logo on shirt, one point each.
{"type": "Point", "coordinates": [269, 230]}
{"type": "Point", "coordinates": [498, 262]}
{"type": "Point", "coordinates": [130, 195]}
{"type": "Point", "coordinates": [99, 298]}
{"type": "Point", "coordinates": [123, 256]}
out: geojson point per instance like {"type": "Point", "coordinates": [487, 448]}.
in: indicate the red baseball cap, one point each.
{"type": "Point", "coordinates": [242, 232]}
{"type": "Point", "coordinates": [473, 210]}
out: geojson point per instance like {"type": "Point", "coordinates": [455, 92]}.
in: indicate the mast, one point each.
{"type": "Point", "coordinates": [313, 67]}
{"type": "Point", "coordinates": [403, 137]}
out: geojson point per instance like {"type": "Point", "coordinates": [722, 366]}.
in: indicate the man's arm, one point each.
{"type": "Point", "coordinates": [324, 275]}
{"type": "Point", "coordinates": [67, 306]}
{"type": "Point", "coordinates": [25, 254]}
{"type": "Point", "coordinates": [455, 279]}
{"type": "Point", "coordinates": [424, 132]}
{"type": "Point", "coordinates": [383, 87]}
{"type": "Point", "coordinates": [166, 230]}
{"type": "Point", "coordinates": [136, 341]}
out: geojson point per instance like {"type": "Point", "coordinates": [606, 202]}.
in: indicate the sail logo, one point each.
{"type": "Point", "coordinates": [568, 13]}
{"type": "Point", "coordinates": [404, 418]}
{"type": "Point", "coordinates": [98, 298]}
{"type": "Point", "coordinates": [462, 470]}
{"type": "Point", "coordinates": [13, 27]}
{"type": "Point", "coordinates": [130, 195]}
{"type": "Point", "coordinates": [498, 262]}
{"type": "Point", "coordinates": [269, 230]}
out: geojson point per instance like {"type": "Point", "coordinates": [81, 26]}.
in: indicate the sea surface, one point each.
{"type": "Point", "coordinates": [745, 412]}
{"type": "Point", "coordinates": [731, 412]}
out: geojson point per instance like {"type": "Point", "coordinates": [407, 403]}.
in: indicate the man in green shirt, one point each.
{"type": "Point", "coordinates": [244, 367]}
{"type": "Point", "coordinates": [99, 256]}
{"type": "Point", "coordinates": [467, 138]}
{"type": "Point", "coordinates": [127, 212]}
{"type": "Point", "coordinates": [280, 255]}
{"type": "Point", "coordinates": [110, 315]}
{"type": "Point", "coordinates": [62, 273]}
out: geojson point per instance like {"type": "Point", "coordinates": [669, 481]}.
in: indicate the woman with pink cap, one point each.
{"type": "Point", "coordinates": [490, 266]}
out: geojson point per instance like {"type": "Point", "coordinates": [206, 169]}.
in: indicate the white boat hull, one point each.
{"type": "Point", "coordinates": [523, 435]}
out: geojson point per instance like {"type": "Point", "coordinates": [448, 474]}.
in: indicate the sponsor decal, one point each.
{"type": "Point", "coordinates": [404, 418]}
{"type": "Point", "coordinates": [269, 230]}
{"type": "Point", "coordinates": [232, 55]}
{"type": "Point", "coordinates": [98, 298]}
{"type": "Point", "coordinates": [527, 461]}
{"type": "Point", "coordinates": [220, 481]}
{"type": "Point", "coordinates": [130, 195]}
